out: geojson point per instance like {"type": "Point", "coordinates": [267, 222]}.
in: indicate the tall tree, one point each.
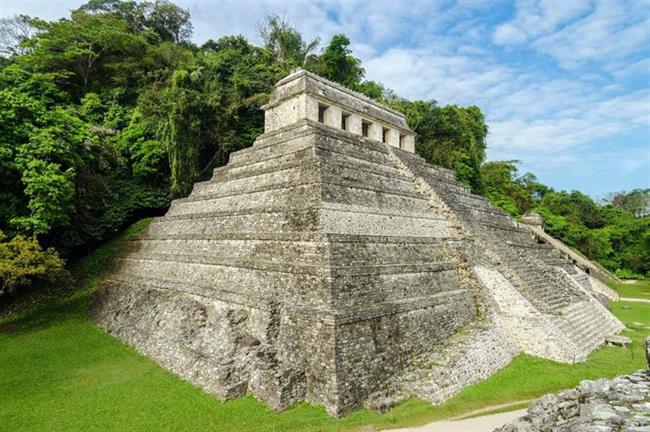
{"type": "Point", "coordinates": [338, 64]}
{"type": "Point", "coordinates": [87, 52]}
{"type": "Point", "coordinates": [211, 107]}
{"type": "Point", "coordinates": [14, 31]}
{"type": "Point", "coordinates": [451, 136]}
{"type": "Point", "coordinates": [286, 44]}
{"type": "Point", "coordinates": [160, 17]}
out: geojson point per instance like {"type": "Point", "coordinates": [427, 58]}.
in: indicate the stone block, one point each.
{"type": "Point", "coordinates": [353, 124]}
{"type": "Point", "coordinates": [407, 143]}
{"type": "Point", "coordinates": [333, 116]}
{"type": "Point", "coordinates": [375, 132]}
{"type": "Point", "coordinates": [392, 137]}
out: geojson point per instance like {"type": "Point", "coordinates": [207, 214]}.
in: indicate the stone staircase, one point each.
{"type": "Point", "coordinates": [519, 255]}
{"type": "Point", "coordinates": [586, 324]}
{"type": "Point", "coordinates": [452, 366]}
{"type": "Point", "coordinates": [547, 280]}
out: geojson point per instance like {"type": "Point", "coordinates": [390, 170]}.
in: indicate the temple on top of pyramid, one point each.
{"type": "Point", "coordinates": [329, 263]}
{"type": "Point", "coordinates": [304, 95]}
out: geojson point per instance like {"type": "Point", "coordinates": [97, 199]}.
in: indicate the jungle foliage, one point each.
{"type": "Point", "coordinates": [615, 233]}
{"type": "Point", "coordinates": [109, 114]}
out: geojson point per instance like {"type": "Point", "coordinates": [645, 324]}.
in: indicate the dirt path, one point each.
{"type": "Point", "coordinates": [490, 409]}
{"type": "Point", "coordinates": [477, 424]}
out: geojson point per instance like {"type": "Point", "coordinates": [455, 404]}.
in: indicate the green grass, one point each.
{"type": "Point", "coordinates": [60, 373]}
{"type": "Point", "coordinates": [637, 289]}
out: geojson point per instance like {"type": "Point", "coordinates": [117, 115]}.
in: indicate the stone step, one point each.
{"type": "Point", "coordinates": [351, 193]}
{"type": "Point", "coordinates": [472, 209]}
{"type": "Point", "coordinates": [306, 156]}
{"type": "Point", "coordinates": [498, 225]}
{"type": "Point", "coordinates": [268, 220]}
{"type": "Point", "coordinates": [430, 171]}
{"type": "Point", "coordinates": [338, 163]}
{"type": "Point", "coordinates": [284, 175]}
{"type": "Point", "coordinates": [298, 291]}
{"type": "Point", "coordinates": [243, 279]}
{"type": "Point", "coordinates": [335, 173]}
{"type": "Point", "coordinates": [475, 202]}
{"type": "Point", "coordinates": [342, 159]}
{"type": "Point", "coordinates": [344, 240]}
{"type": "Point", "coordinates": [327, 217]}
{"type": "Point", "coordinates": [455, 188]}
{"type": "Point", "coordinates": [549, 291]}
{"type": "Point", "coordinates": [322, 252]}
{"type": "Point", "coordinates": [316, 267]}
{"type": "Point", "coordinates": [315, 253]}
{"type": "Point", "coordinates": [288, 198]}
{"type": "Point", "coordinates": [530, 246]}
{"type": "Point", "coordinates": [231, 172]}
{"type": "Point", "coordinates": [587, 325]}
{"type": "Point", "coordinates": [257, 154]}
{"type": "Point", "coordinates": [300, 195]}
{"type": "Point", "coordinates": [303, 178]}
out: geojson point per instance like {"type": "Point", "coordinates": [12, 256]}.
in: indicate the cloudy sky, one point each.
{"type": "Point", "coordinates": [564, 84]}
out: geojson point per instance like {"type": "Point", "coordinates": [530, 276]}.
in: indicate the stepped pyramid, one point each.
{"type": "Point", "coordinates": [330, 263]}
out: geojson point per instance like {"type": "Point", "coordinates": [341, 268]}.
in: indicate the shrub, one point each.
{"type": "Point", "coordinates": [628, 274]}
{"type": "Point", "coordinates": [23, 264]}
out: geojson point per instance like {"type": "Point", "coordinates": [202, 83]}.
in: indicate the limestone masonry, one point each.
{"type": "Point", "coordinates": [621, 404]}
{"type": "Point", "coordinates": [330, 263]}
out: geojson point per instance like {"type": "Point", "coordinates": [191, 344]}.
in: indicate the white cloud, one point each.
{"type": "Point", "coordinates": [508, 34]}
{"type": "Point", "coordinates": [533, 117]}
{"type": "Point", "coordinates": [613, 32]}
{"type": "Point", "coordinates": [533, 19]}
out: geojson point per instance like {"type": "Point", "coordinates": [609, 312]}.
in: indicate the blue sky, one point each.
{"type": "Point", "coordinates": [565, 85]}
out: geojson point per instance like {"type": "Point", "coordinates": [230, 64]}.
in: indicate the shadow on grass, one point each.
{"type": "Point", "coordinates": [36, 309]}
{"type": "Point", "coordinates": [48, 313]}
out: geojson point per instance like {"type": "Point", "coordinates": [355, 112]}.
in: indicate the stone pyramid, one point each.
{"type": "Point", "coordinates": [329, 263]}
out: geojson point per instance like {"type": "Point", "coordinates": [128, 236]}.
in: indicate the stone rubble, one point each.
{"type": "Point", "coordinates": [621, 404]}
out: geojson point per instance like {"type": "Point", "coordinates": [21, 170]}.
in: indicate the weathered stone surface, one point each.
{"type": "Point", "coordinates": [618, 340]}
{"type": "Point", "coordinates": [327, 266]}
{"type": "Point", "coordinates": [619, 404]}
{"type": "Point", "coordinates": [532, 218]}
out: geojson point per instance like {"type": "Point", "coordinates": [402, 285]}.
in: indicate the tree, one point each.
{"type": "Point", "coordinates": [164, 19]}
{"type": "Point", "coordinates": [211, 107]}
{"type": "Point", "coordinates": [337, 63]}
{"type": "Point", "coordinates": [24, 263]}
{"type": "Point", "coordinates": [284, 42]}
{"type": "Point", "coordinates": [450, 136]}
{"type": "Point", "coordinates": [636, 201]}
{"type": "Point", "coordinates": [14, 31]}
{"type": "Point", "coordinates": [87, 52]}
{"type": "Point", "coordinates": [505, 189]}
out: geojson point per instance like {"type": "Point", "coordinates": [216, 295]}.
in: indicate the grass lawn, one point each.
{"type": "Point", "coordinates": [60, 373]}
{"type": "Point", "coordinates": [637, 289]}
